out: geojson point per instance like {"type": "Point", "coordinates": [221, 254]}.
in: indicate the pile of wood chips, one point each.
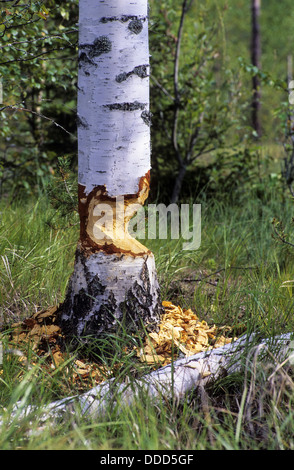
{"type": "Point", "coordinates": [41, 334]}
{"type": "Point", "coordinates": [179, 331]}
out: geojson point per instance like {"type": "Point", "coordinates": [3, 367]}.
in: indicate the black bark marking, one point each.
{"type": "Point", "coordinates": [84, 60]}
{"type": "Point", "coordinates": [123, 76]}
{"type": "Point", "coordinates": [135, 26]}
{"type": "Point", "coordinates": [101, 45]}
{"type": "Point", "coordinates": [106, 313]}
{"type": "Point", "coordinates": [88, 300]}
{"type": "Point", "coordinates": [141, 71]}
{"type": "Point", "coordinates": [95, 287]}
{"type": "Point", "coordinates": [81, 122]}
{"type": "Point", "coordinates": [146, 116]}
{"type": "Point", "coordinates": [126, 106]}
{"type": "Point", "coordinates": [136, 306]}
{"type": "Point", "coordinates": [122, 19]}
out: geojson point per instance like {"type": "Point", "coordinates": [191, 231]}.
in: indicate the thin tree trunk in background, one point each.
{"type": "Point", "coordinates": [114, 278]}
{"type": "Point", "coordinates": [178, 185]}
{"type": "Point", "coordinates": [177, 104]}
{"type": "Point", "coordinates": [290, 86]}
{"type": "Point", "coordinates": [288, 164]}
{"type": "Point", "coordinates": [256, 61]}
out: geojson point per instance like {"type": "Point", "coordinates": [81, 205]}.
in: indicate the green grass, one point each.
{"type": "Point", "coordinates": [234, 278]}
{"type": "Point", "coordinates": [35, 259]}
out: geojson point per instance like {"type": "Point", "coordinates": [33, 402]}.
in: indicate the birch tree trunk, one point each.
{"type": "Point", "coordinates": [114, 278]}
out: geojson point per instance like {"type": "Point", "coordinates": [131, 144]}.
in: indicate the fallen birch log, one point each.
{"type": "Point", "coordinates": [173, 381]}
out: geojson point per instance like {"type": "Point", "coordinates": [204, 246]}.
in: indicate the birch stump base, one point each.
{"type": "Point", "coordinates": [110, 291]}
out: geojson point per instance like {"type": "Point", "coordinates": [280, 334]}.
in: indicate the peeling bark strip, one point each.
{"type": "Point", "coordinates": [114, 280]}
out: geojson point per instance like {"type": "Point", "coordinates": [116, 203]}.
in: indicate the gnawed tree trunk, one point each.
{"type": "Point", "coordinates": [171, 382]}
{"type": "Point", "coordinates": [114, 278]}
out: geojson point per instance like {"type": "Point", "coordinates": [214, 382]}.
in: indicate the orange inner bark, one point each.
{"type": "Point", "coordinates": [104, 220]}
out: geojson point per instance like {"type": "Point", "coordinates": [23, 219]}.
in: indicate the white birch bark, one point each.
{"type": "Point", "coordinates": [114, 275]}
{"type": "Point", "coordinates": [113, 98]}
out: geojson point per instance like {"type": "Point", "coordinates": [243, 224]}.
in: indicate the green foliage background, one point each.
{"type": "Point", "coordinates": [38, 70]}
